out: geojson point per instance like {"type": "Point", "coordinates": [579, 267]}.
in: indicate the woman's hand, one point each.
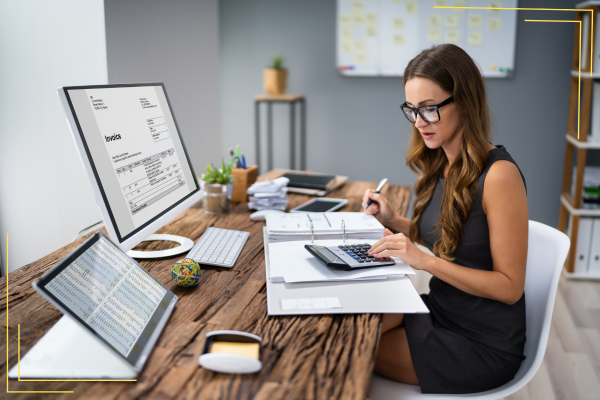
{"type": "Point", "coordinates": [399, 246]}
{"type": "Point", "coordinates": [380, 207]}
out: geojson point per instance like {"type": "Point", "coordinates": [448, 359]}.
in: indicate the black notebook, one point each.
{"type": "Point", "coordinates": [320, 182]}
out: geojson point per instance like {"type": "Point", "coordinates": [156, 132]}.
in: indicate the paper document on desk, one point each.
{"type": "Point", "coordinates": [290, 262]}
{"type": "Point", "coordinates": [297, 226]}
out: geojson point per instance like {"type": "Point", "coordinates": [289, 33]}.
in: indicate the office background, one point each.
{"type": "Point", "coordinates": [210, 54]}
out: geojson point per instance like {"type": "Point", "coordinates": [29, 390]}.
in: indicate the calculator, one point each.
{"type": "Point", "coordinates": [347, 257]}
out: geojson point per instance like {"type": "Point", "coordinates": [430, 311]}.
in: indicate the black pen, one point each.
{"type": "Point", "coordinates": [379, 187]}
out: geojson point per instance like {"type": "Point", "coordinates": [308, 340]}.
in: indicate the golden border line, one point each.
{"type": "Point", "coordinates": [19, 356]}
{"type": "Point", "coordinates": [547, 20]}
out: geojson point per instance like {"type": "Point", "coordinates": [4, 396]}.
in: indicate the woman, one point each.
{"type": "Point", "coordinates": [471, 212]}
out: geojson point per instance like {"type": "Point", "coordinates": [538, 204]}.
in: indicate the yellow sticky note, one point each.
{"type": "Point", "coordinates": [358, 8]}
{"type": "Point", "coordinates": [440, 3]}
{"type": "Point", "coordinates": [459, 3]}
{"type": "Point", "coordinates": [372, 30]}
{"type": "Point", "coordinates": [475, 21]}
{"type": "Point", "coordinates": [371, 19]}
{"type": "Point", "coordinates": [435, 20]}
{"type": "Point", "coordinates": [361, 59]}
{"type": "Point", "coordinates": [494, 24]}
{"type": "Point", "coordinates": [434, 35]}
{"type": "Point", "coordinates": [398, 23]}
{"type": "Point", "coordinates": [452, 21]}
{"type": "Point", "coordinates": [452, 36]}
{"type": "Point", "coordinates": [411, 6]}
{"type": "Point", "coordinates": [474, 38]}
{"type": "Point", "coordinates": [347, 32]}
{"type": "Point", "coordinates": [345, 19]}
{"type": "Point", "coordinates": [347, 46]}
{"type": "Point", "coordinates": [399, 40]}
{"type": "Point", "coordinates": [243, 349]}
{"type": "Point", "coordinates": [359, 19]}
{"type": "Point", "coordinates": [359, 45]}
{"type": "Point", "coordinates": [497, 4]}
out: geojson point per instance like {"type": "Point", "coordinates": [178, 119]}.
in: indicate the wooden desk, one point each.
{"type": "Point", "coordinates": [305, 357]}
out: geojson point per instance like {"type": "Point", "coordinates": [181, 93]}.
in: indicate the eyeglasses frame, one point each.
{"type": "Point", "coordinates": [418, 110]}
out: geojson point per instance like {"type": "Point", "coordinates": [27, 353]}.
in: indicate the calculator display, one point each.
{"type": "Point", "coordinates": [324, 253]}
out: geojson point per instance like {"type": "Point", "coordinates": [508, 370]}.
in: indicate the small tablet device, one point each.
{"type": "Point", "coordinates": [349, 257]}
{"type": "Point", "coordinates": [321, 204]}
{"type": "Point", "coordinates": [108, 293]}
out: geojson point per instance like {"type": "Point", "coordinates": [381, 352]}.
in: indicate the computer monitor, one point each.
{"type": "Point", "coordinates": [133, 152]}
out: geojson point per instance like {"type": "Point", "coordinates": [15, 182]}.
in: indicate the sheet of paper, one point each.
{"type": "Point", "coordinates": [322, 222]}
{"type": "Point", "coordinates": [292, 262]}
{"type": "Point", "coordinates": [311, 304]}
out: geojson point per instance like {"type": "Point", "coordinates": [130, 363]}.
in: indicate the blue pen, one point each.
{"type": "Point", "coordinates": [379, 187]}
{"type": "Point", "coordinates": [243, 162]}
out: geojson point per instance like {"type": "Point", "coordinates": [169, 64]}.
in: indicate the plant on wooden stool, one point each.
{"type": "Point", "coordinates": [275, 77]}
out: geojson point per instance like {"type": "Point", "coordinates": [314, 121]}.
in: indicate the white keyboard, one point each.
{"type": "Point", "coordinates": [220, 247]}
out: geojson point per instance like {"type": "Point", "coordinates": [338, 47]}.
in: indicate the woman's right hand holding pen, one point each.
{"type": "Point", "coordinates": [383, 211]}
{"type": "Point", "coordinates": [380, 207]}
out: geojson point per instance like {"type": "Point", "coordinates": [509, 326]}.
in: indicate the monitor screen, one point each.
{"type": "Point", "coordinates": [135, 149]}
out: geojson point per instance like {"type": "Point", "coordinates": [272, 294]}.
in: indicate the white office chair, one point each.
{"type": "Point", "coordinates": [546, 256]}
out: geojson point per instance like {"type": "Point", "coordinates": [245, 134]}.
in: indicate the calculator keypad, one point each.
{"type": "Point", "coordinates": [359, 253]}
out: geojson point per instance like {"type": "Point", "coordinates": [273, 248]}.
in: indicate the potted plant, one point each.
{"type": "Point", "coordinates": [275, 77]}
{"type": "Point", "coordinates": [217, 185]}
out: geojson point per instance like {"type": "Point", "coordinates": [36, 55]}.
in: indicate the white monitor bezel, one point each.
{"type": "Point", "coordinates": [139, 234]}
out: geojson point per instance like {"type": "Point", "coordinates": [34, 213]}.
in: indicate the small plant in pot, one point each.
{"type": "Point", "coordinates": [217, 185]}
{"type": "Point", "coordinates": [275, 77]}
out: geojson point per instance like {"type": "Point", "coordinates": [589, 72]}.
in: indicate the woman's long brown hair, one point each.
{"type": "Point", "coordinates": [455, 72]}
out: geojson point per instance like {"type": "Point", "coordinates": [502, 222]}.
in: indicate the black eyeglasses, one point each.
{"type": "Point", "coordinates": [430, 114]}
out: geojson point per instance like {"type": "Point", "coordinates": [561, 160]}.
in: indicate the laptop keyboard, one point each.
{"type": "Point", "coordinates": [219, 247]}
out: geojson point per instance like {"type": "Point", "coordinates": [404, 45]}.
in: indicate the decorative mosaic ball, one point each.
{"type": "Point", "coordinates": [186, 272]}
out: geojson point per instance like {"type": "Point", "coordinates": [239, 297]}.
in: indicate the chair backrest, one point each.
{"type": "Point", "coordinates": [546, 256]}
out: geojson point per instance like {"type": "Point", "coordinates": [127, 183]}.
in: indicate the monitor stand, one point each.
{"type": "Point", "coordinates": [69, 351]}
{"type": "Point", "coordinates": [185, 244]}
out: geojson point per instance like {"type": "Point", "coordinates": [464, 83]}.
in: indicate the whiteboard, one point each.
{"type": "Point", "coordinates": [380, 37]}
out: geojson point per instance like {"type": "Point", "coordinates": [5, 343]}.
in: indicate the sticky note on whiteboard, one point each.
{"type": "Point", "coordinates": [440, 3]}
{"type": "Point", "coordinates": [474, 38]}
{"type": "Point", "coordinates": [451, 21]}
{"type": "Point", "coordinates": [361, 58]}
{"type": "Point", "coordinates": [494, 24]}
{"type": "Point", "coordinates": [475, 21]}
{"type": "Point", "coordinates": [398, 23]}
{"type": "Point", "coordinates": [497, 4]}
{"type": "Point", "coordinates": [411, 6]}
{"type": "Point", "coordinates": [434, 35]}
{"type": "Point", "coordinates": [435, 20]}
{"type": "Point", "coordinates": [372, 30]}
{"type": "Point", "coordinates": [399, 40]}
{"type": "Point", "coordinates": [459, 3]}
{"type": "Point", "coordinates": [452, 36]}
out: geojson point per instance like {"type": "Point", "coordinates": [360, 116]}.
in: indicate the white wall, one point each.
{"type": "Point", "coordinates": [45, 195]}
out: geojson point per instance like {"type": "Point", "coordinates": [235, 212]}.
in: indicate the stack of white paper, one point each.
{"type": "Point", "coordinates": [269, 195]}
{"type": "Point", "coordinates": [331, 225]}
{"type": "Point", "coordinates": [290, 262]}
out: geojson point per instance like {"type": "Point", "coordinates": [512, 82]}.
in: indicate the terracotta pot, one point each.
{"type": "Point", "coordinates": [275, 80]}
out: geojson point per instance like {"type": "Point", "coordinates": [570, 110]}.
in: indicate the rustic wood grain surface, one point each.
{"type": "Point", "coordinates": [305, 357]}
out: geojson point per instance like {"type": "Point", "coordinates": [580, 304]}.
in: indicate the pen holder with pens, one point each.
{"type": "Point", "coordinates": [245, 179]}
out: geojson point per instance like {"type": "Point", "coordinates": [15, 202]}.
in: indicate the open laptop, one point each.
{"type": "Point", "coordinates": [114, 312]}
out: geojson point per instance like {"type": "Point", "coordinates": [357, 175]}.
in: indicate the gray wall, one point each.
{"type": "Point", "coordinates": [175, 42]}
{"type": "Point", "coordinates": [354, 124]}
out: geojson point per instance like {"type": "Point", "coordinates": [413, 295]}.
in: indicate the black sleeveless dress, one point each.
{"type": "Point", "coordinates": [467, 343]}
